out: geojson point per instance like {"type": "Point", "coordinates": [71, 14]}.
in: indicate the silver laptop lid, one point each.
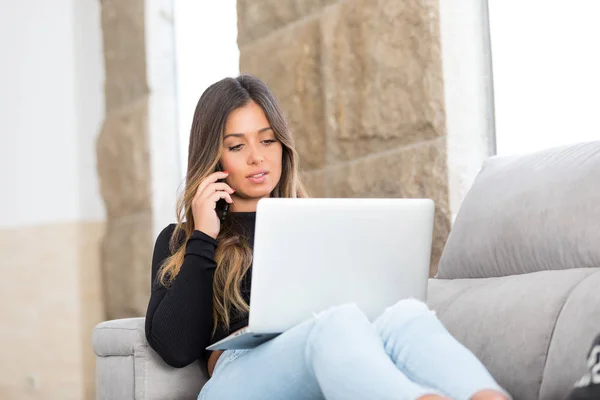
{"type": "Point", "coordinates": [311, 254]}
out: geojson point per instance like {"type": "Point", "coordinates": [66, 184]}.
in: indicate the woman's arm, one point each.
{"type": "Point", "coordinates": [179, 320]}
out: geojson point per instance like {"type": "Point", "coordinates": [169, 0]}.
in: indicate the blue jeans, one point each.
{"type": "Point", "coordinates": [405, 354]}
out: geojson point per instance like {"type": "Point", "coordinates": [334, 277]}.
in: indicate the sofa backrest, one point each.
{"type": "Point", "coordinates": [528, 213]}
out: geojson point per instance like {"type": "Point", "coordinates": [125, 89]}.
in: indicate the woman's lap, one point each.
{"type": "Point", "coordinates": [343, 351]}
{"type": "Point", "coordinates": [274, 370]}
{"type": "Point", "coordinates": [338, 352]}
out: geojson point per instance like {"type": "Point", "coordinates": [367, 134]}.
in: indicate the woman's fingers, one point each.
{"type": "Point", "coordinates": [215, 187]}
{"type": "Point", "coordinates": [212, 178]}
{"type": "Point", "coordinates": [218, 195]}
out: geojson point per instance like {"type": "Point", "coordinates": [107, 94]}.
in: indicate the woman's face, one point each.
{"type": "Point", "coordinates": [252, 155]}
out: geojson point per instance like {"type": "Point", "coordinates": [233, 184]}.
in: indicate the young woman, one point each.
{"type": "Point", "coordinates": [240, 151]}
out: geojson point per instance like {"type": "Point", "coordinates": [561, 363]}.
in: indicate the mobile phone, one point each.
{"type": "Point", "coordinates": [222, 205]}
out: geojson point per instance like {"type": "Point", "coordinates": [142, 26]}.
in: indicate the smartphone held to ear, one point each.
{"type": "Point", "coordinates": [222, 209]}
{"type": "Point", "coordinates": [222, 206]}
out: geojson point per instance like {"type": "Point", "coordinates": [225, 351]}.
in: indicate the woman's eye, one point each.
{"type": "Point", "coordinates": [235, 148]}
{"type": "Point", "coordinates": [268, 142]}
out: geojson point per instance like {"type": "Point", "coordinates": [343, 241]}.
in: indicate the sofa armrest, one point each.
{"type": "Point", "coordinates": [119, 337]}
{"type": "Point", "coordinates": [128, 368]}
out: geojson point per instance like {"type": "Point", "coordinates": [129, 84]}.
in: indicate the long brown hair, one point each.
{"type": "Point", "coordinates": [233, 255]}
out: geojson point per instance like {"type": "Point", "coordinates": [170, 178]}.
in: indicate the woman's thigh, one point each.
{"type": "Point", "coordinates": [276, 369]}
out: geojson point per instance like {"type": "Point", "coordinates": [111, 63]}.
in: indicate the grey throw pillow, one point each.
{"type": "Point", "coordinates": [528, 213]}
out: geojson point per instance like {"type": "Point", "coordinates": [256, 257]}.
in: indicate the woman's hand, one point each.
{"type": "Point", "coordinates": [205, 203]}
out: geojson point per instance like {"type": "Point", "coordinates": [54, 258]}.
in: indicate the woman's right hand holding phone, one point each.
{"type": "Point", "coordinates": [205, 201]}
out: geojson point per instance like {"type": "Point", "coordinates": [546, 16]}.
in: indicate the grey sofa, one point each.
{"type": "Point", "coordinates": [518, 284]}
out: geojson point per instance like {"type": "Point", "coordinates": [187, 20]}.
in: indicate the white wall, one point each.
{"type": "Point", "coordinates": [546, 72]}
{"type": "Point", "coordinates": [51, 107]}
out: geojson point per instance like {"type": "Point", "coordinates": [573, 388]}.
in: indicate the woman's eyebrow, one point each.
{"type": "Point", "coordinates": [242, 134]}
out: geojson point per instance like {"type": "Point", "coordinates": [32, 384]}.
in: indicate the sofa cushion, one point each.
{"type": "Point", "coordinates": [510, 323]}
{"type": "Point", "coordinates": [528, 213]}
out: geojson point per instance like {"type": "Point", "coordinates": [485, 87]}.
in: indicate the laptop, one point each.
{"type": "Point", "coordinates": [312, 254]}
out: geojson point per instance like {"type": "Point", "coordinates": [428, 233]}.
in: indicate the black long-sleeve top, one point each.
{"type": "Point", "coordinates": [179, 319]}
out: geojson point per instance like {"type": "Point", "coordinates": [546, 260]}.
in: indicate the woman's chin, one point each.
{"type": "Point", "coordinates": [254, 194]}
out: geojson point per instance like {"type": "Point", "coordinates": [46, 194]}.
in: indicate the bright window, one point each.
{"type": "Point", "coordinates": [546, 69]}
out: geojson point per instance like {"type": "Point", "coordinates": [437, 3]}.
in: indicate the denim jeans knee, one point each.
{"type": "Point", "coordinates": [403, 312]}
{"type": "Point", "coordinates": [335, 321]}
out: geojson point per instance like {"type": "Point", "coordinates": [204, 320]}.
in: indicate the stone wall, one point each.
{"type": "Point", "coordinates": [124, 161]}
{"type": "Point", "coordinates": [361, 82]}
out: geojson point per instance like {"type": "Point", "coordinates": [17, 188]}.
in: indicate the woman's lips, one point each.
{"type": "Point", "coordinates": [259, 177]}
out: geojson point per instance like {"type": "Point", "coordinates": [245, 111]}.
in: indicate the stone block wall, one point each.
{"type": "Point", "coordinates": [361, 84]}
{"type": "Point", "coordinates": [124, 161]}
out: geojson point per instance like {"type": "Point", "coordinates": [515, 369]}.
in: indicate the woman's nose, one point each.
{"type": "Point", "coordinates": [256, 157]}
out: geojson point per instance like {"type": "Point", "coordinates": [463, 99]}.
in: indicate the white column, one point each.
{"type": "Point", "coordinates": [162, 111]}
{"type": "Point", "coordinates": [468, 93]}
{"type": "Point", "coordinates": [203, 56]}
{"type": "Point", "coordinates": [90, 107]}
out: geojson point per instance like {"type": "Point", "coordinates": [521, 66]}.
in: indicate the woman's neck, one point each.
{"type": "Point", "coordinates": [243, 205]}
